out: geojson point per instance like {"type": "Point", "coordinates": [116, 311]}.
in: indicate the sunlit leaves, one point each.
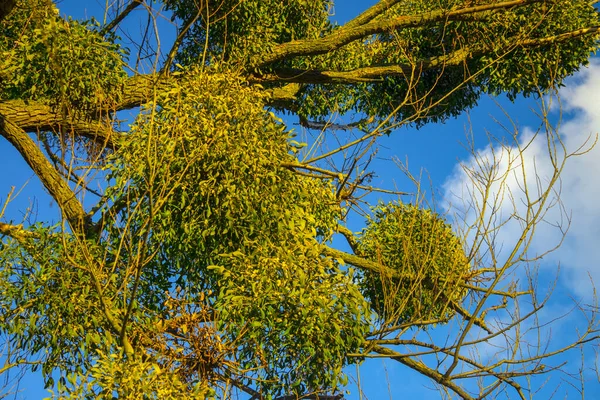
{"type": "Point", "coordinates": [65, 64]}
{"type": "Point", "coordinates": [234, 30]}
{"type": "Point", "coordinates": [112, 376]}
{"type": "Point", "coordinates": [204, 180]}
{"type": "Point", "coordinates": [426, 255]}
{"type": "Point", "coordinates": [492, 52]}
{"type": "Point", "coordinates": [206, 252]}
{"type": "Point", "coordinates": [47, 304]}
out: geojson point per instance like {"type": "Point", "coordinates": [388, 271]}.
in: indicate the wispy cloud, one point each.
{"type": "Point", "coordinates": [578, 188]}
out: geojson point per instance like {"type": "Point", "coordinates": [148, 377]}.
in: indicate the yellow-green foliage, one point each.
{"type": "Point", "coordinates": [203, 175]}
{"type": "Point", "coordinates": [240, 29]}
{"type": "Point", "coordinates": [489, 66]}
{"type": "Point", "coordinates": [428, 258]}
{"type": "Point", "coordinates": [112, 376]}
{"type": "Point", "coordinates": [63, 63]}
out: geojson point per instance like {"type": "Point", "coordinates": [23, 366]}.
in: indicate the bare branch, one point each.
{"type": "Point", "coordinates": [423, 369]}
{"type": "Point", "coordinates": [130, 7]}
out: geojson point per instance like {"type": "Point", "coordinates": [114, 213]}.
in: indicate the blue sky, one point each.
{"type": "Point", "coordinates": [439, 150]}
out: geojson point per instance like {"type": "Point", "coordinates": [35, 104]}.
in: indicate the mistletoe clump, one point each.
{"type": "Point", "coordinates": [66, 64]}
{"type": "Point", "coordinates": [423, 264]}
{"type": "Point", "coordinates": [228, 217]}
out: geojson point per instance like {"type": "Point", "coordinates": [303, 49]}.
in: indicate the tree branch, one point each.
{"type": "Point", "coordinates": [478, 368]}
{"type": "Point", "coordinates": [15, 231]}
{"type": "Point", "coordinates": [371, 13]}
{"type": "Point", "coordinates": [363, 263]}
{"type": "Point", "coordinates": [35, 117]}
{"type": "Point", "coordinates": [112, 24]}
{"type": "Point", "coordinates": [348, 235]}
{"type": "Point", "coordinates": [423, 369]}
{"type": "Point", "coordinates": [50, 178]}
{"type": "Point", "coordinates": [178, 41]}
{"type": "Point", "coordinates": [365, 74]}
{"type": "Point", "coordinates": [378, 73]}
{"type": "Point", "coordinates": [140, 89]}
{"type": "Point", "coordinates": [346, 35]}
{"type": "Point", "coordinates": [563, 37]}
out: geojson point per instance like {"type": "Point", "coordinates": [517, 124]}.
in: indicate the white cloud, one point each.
{"type": "Point", "coordinates": [579, 185]}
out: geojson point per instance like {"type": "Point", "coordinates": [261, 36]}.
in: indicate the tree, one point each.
{"type": "Point", "coordinates": [194, 253]}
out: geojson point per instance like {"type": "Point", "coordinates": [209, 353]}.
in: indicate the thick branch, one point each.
{"type": "Point", "coordinates": [140, 89]}
{"type": "Point", "coordinates": [35, 117]}
{"type": "Point", "coordinates": [365, 74]}
{"type": "Point", "coordinates": [346, 35]}
{"type": "Point", "coordinates": [50, 178]}
{"type": "Point", "coordinates": [378, 73]}
{"type": "Point", "coordinates": [349, 236]}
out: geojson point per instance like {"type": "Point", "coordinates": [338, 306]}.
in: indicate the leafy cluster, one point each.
{"type": "Point", "coordinates": [425, 264]}
{"type": "Point", "coordinates": [47, 304]}
{"type": "Point", "coordinates": [205, 177]}
{"type": "Point", "coordinates": [494, 51]}
{"type": "Point", "coordinates": [233, 31]}
{"type": "Point", "coordinates": [208, 260]}
{"type": "Point", "coordinates": [68, 65]}
{"type": "Point", "coordinates": [112, 377]}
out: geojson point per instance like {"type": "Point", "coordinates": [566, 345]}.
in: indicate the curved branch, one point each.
{"type": "Point", "coordinates": [140, 89]}
{"type": "Point", "coordinates": [348, 235]}
{"type": "Point", "coordinates": [178, 41]}
{"type": "Point", "coordinates": [371, 13]}
{"type": "Point", "coordinates": [378, 73]}
{"type": "Point", "coordinates": [50, 178]}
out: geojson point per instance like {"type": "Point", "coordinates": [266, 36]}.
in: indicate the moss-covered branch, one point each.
{"type": "Point", "coordinates": [15, 231]}
{"type": "Point", "coordinates": [35, 117]}
{"type": "Point", "coordinates": [371, 13]}
{"type": "Point", "coordinates": [365, 74]}
{"type": "Point", "coordinates": [50, 178]}
{"type": "Point", "coordinates": [348, 34]}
